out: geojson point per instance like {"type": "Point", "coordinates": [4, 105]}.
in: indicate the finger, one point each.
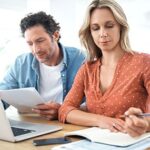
{"type": "Point", "coordinates": [113, 128]}
{"type": "Point", "coordinates": [133, 129]}
{"type": "Point", "coordinates": [42, 107]}
{"type": "Point", "coordinates": [139, 122]}
{"type": "Point", "coordinates": [39, 111]}
{"type": "Point", "coordinates": [45, 106]}
{"type": "Point", "coordinates": [119, 124]}
{"type": "Point", "coordinates": [49, 105]}
{"type": "Point", "coordinates": [128, 126]}
{"type": "Point", "coordinates": [132, 133]}
{"type": "Point", "coordinates": [53, 105]}
{"type": "Point", "coordinates": [47, 112]}
{"type": "Point", "coordinates": [119, 127]}
{"type": "Point", "coordinates": [133, 111]}
{"type": "Point", "coordinates": [49, 117]}
{"type": "Point", "coordinates": [36, 110]}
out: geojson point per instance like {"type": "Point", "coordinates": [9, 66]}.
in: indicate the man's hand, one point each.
{"type": "Point", "coordinates": [48, 110]}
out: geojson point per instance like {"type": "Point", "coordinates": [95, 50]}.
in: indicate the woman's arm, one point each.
{"type": "Point", "coordinates": [70, 110]}
{"type": "Point", "coordinates": [79, 117]}
{"type": "Point", "coordinates": [74, 97]}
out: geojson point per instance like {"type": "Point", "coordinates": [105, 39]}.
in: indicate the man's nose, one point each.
{"type": "Point", "coordinates": [36, 49]}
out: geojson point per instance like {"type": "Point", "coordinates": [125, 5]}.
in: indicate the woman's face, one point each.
{"type": "Point", "coordinates": [104, 29]}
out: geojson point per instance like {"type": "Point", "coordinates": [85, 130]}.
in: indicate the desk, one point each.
{"type": "Point", "coordinates": [27, 144]}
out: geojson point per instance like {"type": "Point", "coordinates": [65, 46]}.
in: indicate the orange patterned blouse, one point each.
{"type": "Point", "coordinates": [130, 88]}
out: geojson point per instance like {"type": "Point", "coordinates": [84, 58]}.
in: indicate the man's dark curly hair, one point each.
{"type": "Point", "coordinates": [39, 18]}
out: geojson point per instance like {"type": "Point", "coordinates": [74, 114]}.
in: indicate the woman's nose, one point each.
{"type": "Point", "coordinates": [103, 34]}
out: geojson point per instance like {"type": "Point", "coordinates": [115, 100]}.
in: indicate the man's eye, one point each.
{"type": "Point", "coordinates": [40, 41]}
{"type": "Point", "coordinates": [30, 44]}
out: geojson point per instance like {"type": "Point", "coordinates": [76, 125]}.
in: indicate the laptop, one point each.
{"type": "Point", "coordinates": [14, 131]}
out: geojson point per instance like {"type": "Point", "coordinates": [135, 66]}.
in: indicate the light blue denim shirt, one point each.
{"type": "Point", "coordinates": [25, 71]}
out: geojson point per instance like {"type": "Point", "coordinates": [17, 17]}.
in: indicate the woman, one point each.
{"type": "Point", "coordinates": [115, 80]}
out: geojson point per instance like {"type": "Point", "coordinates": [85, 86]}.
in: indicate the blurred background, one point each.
{"type": "Point", "coordinates": [70, 14]}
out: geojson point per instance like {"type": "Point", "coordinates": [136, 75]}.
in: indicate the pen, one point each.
{"type": "Point", "coordinates": [139, 115]}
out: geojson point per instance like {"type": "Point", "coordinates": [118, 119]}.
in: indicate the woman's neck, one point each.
{"type": "Point", "coordinates": [111, 58]}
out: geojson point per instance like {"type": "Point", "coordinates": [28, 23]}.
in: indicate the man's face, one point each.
{"type": "Point", "coordinates": [42, 46]}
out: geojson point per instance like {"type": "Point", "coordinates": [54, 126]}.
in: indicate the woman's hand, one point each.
{"type": "Point", "coordinates": [113, 124]}
{"type": "Point", "coordinates": [134, 125]}
{"type": "Point", "coordinates": [48, 110]}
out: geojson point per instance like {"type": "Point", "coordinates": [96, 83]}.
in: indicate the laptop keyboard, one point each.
{"type": "Point", "coordinates": [20, 131]}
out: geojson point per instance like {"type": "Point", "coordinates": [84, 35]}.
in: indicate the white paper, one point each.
{"type": "Point", "coordinates": [87, 145]}
{"type": "Point", "coordinates": [23, 98]}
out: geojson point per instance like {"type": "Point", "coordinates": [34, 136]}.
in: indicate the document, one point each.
{"type": "Point", "coordinates": [87, 145]}
{"type": "Point", "coordinates": [24, 99]}
{"type": "Point", "coordinates": [105, 136]}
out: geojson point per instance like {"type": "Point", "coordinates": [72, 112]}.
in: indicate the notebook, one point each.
{"type": "Point", "coordinates": [105, 136]}
{"type": "Point", "coordinates": [14, 131]}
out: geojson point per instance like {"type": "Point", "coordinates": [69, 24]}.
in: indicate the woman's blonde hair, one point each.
{"type": "Point", "coordinates": [85, 33]}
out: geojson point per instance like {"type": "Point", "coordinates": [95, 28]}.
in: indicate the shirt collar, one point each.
{"type": "Point", "coordinates": [62, 48]}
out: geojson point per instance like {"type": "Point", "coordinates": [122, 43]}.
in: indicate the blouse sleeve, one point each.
{"type": "Point", "coordinates": [74, 97]}
{"type": "Point", "coordinates": [146, 78]}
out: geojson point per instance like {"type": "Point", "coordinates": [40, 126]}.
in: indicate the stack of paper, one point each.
{"type": "Point", "coordinates": [87, 145]}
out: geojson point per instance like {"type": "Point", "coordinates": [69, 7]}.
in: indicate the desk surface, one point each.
{"type": "Point", "coordinates": [27, 144]}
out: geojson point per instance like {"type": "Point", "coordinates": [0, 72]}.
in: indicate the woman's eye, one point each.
{"type": "Point", "coordinates": [95, 28]}
{"type": "Point", "coordinates": [110, 26]}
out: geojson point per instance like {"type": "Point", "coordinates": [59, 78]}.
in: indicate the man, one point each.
{"type": "Point", "coordinates": [50, 67]}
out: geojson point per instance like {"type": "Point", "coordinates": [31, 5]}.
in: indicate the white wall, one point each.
{"type": "Point", "coordinates": [69, 13]}
{"type": "Point", "coordinates": [138, 15]}
{"type": "Point", "coordinates": [70, 16]}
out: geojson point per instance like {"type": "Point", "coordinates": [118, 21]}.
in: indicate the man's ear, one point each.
{"type": "Point", "coordinates": [56, 35]}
